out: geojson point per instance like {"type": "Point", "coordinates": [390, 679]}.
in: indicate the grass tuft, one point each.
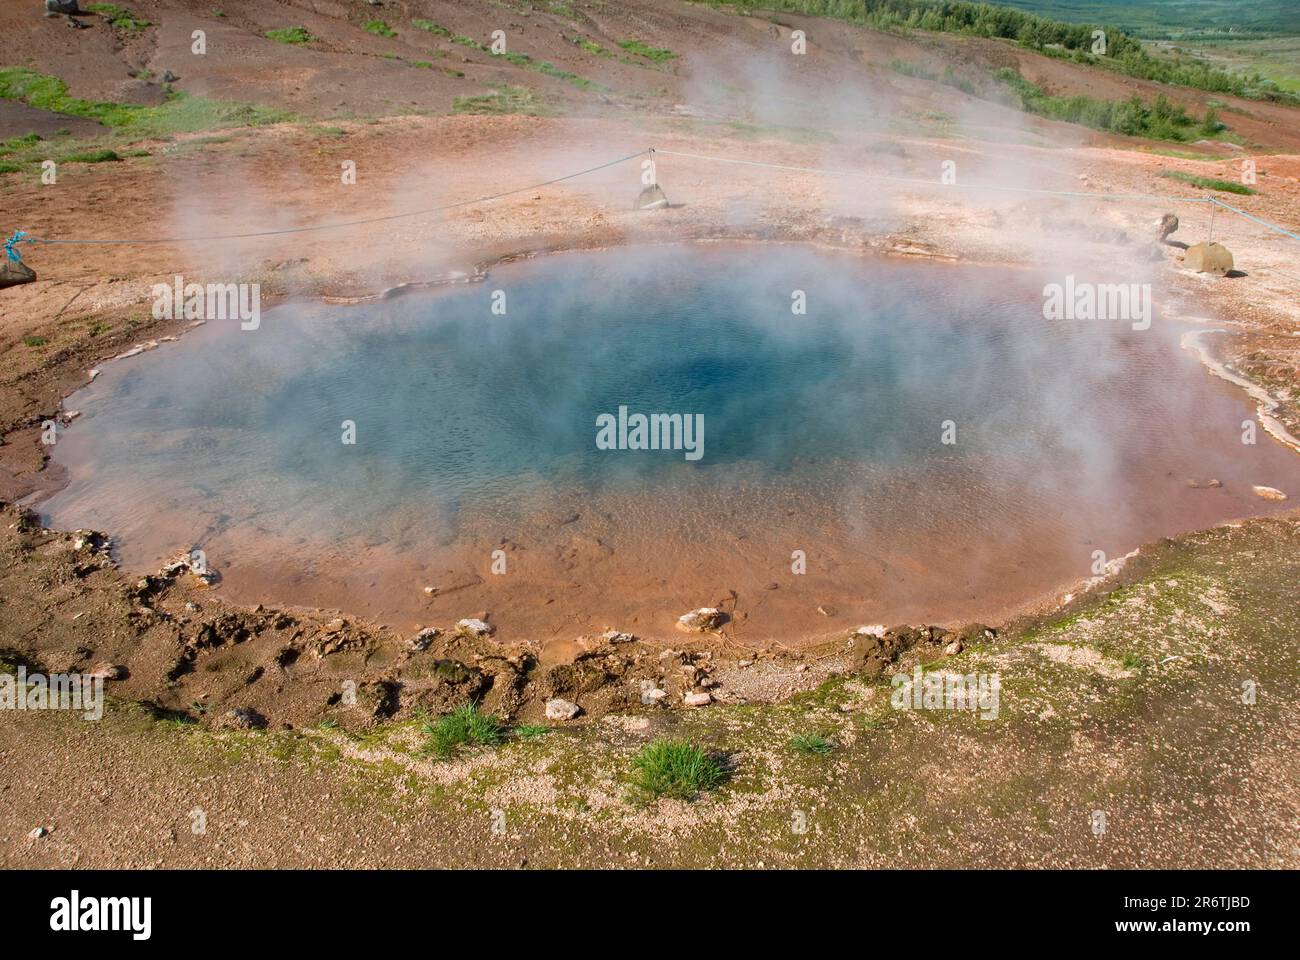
{"type": "Point", "coordinates": [655, 54]}
{"type": "Point", "coordinates": [379, 28]}
{"type": "Point", "coordinates": [119, 18]}
{"type": "Point", "coordinates": [464, 725]}
{"type": "Point", "coordinates": [295, 36]}
{"type": "Point", "coordinates": [505, 100]}
{"type": "Point", "coordinates": [813, 744]}
{"type": "Point", "coordinates": [676, 768]}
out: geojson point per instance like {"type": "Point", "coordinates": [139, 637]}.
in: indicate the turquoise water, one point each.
{"type": "Point", "coordinates": [821, 429]}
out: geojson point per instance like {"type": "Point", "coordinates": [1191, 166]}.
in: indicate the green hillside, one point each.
{"type": "Point", "coordinates": [1160, 18]}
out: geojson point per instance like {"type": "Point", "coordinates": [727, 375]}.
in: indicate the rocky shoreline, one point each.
{"type": "Point", "coordinates": [166, 641]}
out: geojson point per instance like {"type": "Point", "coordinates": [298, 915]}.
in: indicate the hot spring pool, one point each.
{"type": "Point", "coordinates": [476, 431]}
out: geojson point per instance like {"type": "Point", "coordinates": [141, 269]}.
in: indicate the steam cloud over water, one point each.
{"type": "Point", "coordinates": [825, 433]}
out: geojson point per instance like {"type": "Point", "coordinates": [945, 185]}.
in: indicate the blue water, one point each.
{"type": "Point", "coordinates": [469, 424]}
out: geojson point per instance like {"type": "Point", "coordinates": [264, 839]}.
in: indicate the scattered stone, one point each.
{"type": "Point", "coordinates": [801, 668]}
{"type": "Point", "coordinates": [650, 693]}
{"type": "Point", "coordinates": [953, 648]}
{"type": "Point", "coordinates": [169, 77]}
{"type": "Point", "coordinates": [702, 620]}
{"type": "Point", "coordinates": [243, 718]}
{"type": "Point", "coordinates": [474, 627]}
{"type": "Point", "coordinates": [422, 639]}
{"type": "Point", "coordinates": [1210, 484]}
{"type": "Point", "coordinates": [874, 630]}
{"type": "Point", "coordinates": [334, 626]}
{"type": "Point", "coordinates": [615, 636]}
{"type": "Point", "coordinates": [108, 671]}
{"type": "Point", "coordinates": [1268, 493]}
{"type": "Point", "coordinates": [559, 709]}
{"type": "Point", "coordinates": [699, 699]}
{"type": "Point", "coordinates": [826, 610]}
{"type": "Point", "coordinates": [742, 664]}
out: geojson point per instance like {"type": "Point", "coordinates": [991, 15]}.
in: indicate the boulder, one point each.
{"type": "Point", "coordinates": [1208, 258]}
{"type": "Point", "coordinates": [474, 627]}
{"type": "Point", "coordinates": [1168, 225]}
{"type": "Point", "coordinates": [67, 7]}
{"type": "Point", "coordinates": [14, 272]}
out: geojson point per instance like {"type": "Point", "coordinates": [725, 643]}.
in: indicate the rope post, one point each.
{"type": "Point", "coordinates": [1214, 211]}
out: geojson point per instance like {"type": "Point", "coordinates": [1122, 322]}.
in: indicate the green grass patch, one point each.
{"type": "Point", "coordinates": [1210, 183]}
{"type": "Point", "coordinates": [654, 54]}
{"type": "Point", "coordinates": [181, 113]}
{"type": "Point", "coordinates": [676, 768]}
{"type": "Point", "coordinates": [31, 341]}
{"type": "Point", "coordinates": [464, 725]}
{"type": "Point", "coordinates": [431, 27]}
{"type": "Point", "coordinates": [530, 731]}
{"type": "Point", "coordinates": [505, 100]}
{"type": "Point", "coordinates": [294, 36]}
{"type": "Point", "coordinates": [10, 168]}
{"type": "Point", "coordinates": [119, 18]}
{"type": "Point", "coordinates": [813, 744]}
{"type": "Point", "coordinates": [91, 156]}
{"type": "Point", "coordinates": [379, 28]}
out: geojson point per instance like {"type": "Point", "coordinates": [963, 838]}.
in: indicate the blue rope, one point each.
{"type": "Point", "coordinates": [12, 243]}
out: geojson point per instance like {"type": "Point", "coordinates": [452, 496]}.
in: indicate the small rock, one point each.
{"type": "Point", "coordinates": [953, 648]}
{"type": "Point", "coordinates": [742, 664]}
{"type": "Point", "coordinates": [615, 636]}
{"type": "Point", "coordinates": [700, 699]}
{"type": "Point", "coordinates": [826, 610]}
{"type": "Point", "coordinates": [334, 626]}
{"type": "Point", "coordinates": [558, 709]}
{"type": "Point", "coordinates": [474, 627]}
{"type": "Point", "coordinates": [874, 630]}
{"type": "Point", "coordinates": [702, 620]}
{"type": "Point", "coordinates": [169, 77]}
{"type": "Point", "coordinates": [108, 671]}
{"type": "Point", "coordinates": [650, 693]}
{"type": "Point", "coordinates": [801, 668]}
{"type": "Point", "coordinates": [422, 639]}
{"type": "Point", "coordinates": [38, 833]}
{"type": "Point", "coordinates": [1210, 484]}
{"type": "Point", "coordinates": [1268, 493]}
{"type": "Point", "coordinates": [243, 718]}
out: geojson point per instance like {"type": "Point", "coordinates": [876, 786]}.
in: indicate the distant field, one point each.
{"type": "Point", "coordinates": [1277, 58]}
{"type": "Point", "coordinates": [1162, 18]}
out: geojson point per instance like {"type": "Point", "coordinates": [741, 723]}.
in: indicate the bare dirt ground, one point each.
{"type": "Point", "coordinates": [1087, 735]}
